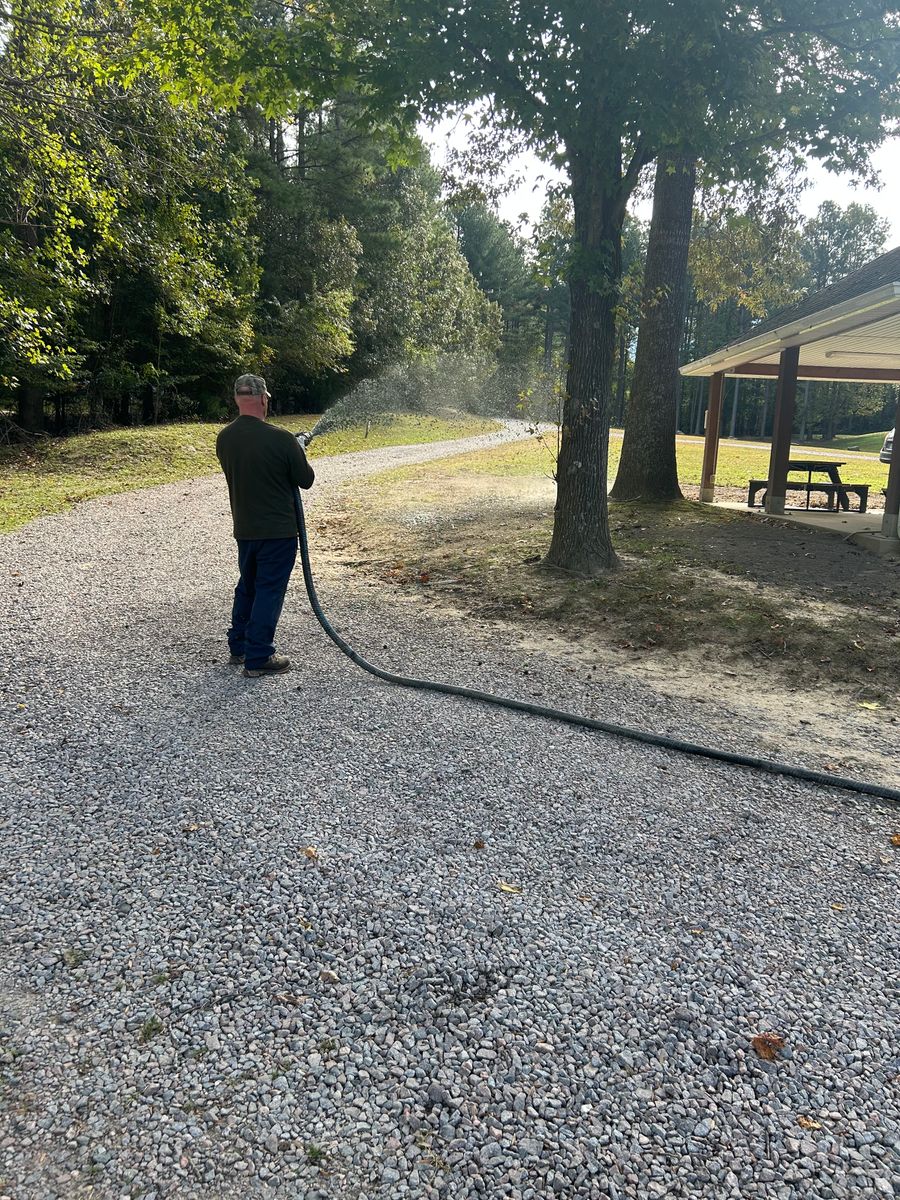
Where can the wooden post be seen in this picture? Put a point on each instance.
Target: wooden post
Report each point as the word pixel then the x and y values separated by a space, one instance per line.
pixel 889 523
pixel 734 406
pixel 711 445
pixel 782 428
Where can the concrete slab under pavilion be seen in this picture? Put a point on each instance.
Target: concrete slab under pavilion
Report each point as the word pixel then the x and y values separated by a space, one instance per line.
pixel 848 332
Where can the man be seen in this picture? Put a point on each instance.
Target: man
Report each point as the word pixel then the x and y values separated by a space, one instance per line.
pixel 262 464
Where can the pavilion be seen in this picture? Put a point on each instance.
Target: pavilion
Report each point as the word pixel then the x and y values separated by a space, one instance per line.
pixel 850 331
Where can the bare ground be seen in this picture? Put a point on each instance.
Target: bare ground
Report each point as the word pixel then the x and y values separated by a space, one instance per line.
pixel 790 630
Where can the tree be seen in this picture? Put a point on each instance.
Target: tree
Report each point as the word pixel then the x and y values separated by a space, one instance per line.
pixel 647 468
pixel 839 240
pixel 151 247
pixel 123 224
pixel 551 247
pixel 601 87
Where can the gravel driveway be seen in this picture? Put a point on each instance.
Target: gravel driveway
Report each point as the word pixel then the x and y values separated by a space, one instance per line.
pixel 318 937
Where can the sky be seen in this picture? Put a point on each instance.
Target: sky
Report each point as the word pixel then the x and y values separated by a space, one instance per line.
pixel 528 198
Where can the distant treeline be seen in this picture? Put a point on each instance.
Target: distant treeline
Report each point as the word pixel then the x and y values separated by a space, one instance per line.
pixel 150 251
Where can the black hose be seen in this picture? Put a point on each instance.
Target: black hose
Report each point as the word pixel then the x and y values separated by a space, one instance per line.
pixel 558 714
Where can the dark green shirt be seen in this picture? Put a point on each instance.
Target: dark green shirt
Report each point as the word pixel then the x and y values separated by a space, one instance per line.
pixel 263 464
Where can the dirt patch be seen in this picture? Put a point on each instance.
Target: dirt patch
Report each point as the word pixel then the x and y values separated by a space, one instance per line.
pixel 792 626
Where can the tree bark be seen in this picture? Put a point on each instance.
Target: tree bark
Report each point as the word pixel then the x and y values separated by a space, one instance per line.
pixel 581 541
pixel 620 380
pixel 647 468
pixel 30 408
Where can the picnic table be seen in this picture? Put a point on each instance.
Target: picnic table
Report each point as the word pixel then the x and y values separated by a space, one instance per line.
pixel 837 492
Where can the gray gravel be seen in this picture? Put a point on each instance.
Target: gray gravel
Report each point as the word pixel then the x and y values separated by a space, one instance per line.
pixel 194 1002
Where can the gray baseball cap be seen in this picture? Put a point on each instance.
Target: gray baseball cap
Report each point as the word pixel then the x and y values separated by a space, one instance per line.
pixel 250 385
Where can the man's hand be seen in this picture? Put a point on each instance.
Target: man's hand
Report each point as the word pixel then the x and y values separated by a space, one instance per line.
pixel 304 438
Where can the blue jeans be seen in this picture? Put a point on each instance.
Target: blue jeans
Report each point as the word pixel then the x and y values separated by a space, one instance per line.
pixel 265 565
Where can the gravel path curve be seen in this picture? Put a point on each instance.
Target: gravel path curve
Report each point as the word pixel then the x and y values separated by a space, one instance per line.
pixel 315 937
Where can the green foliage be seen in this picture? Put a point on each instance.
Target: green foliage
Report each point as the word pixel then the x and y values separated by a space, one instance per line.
pixel 153 245
pixel 125 265
pixel 601 88
pixel 746 253
pixel 837 241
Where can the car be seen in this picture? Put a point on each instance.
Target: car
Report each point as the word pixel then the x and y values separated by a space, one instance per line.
pixel 887 448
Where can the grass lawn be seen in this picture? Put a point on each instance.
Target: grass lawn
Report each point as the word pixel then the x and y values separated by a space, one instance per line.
pixel 771 601
pixel 52 474
pixel 861 443
pixel 736 464
pixel 869 443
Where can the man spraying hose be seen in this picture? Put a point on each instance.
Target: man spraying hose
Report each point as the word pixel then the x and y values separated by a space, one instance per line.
pixel 263 465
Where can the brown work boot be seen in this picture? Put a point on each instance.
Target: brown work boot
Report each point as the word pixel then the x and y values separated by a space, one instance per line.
pixel 276 665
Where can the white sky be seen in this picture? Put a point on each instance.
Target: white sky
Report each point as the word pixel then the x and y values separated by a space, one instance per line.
pixel 528 198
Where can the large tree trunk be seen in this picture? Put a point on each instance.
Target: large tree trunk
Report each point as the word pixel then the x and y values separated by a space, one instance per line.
pixel 30 408
pixel 647 469
pixel 581 543
pixel 621 368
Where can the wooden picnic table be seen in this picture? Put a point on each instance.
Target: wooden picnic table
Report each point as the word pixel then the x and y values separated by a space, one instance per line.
pixel 821 466
pixel 837 492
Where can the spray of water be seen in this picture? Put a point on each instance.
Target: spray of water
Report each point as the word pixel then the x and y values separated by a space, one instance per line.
pixel 442 386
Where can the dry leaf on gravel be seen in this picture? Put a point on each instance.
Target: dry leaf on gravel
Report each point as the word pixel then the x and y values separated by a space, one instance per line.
pixel 311 853
pixel 808 1123
pixel 895 839
pixel 767 1045
pixel 512 888
pixel 478 844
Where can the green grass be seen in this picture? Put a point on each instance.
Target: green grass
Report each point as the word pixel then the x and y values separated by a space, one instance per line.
pixel 150 1029
pixel 868 443
pixel 736 465
pixel 862 443
pixel 470 531
pixel 53 474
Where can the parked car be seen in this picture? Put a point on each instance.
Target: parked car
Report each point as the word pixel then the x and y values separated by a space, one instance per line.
pixel 887 448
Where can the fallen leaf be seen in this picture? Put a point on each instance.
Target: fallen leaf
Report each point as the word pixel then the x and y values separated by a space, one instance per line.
pixel 513 888
pixel 289 998
pixel 869 704
pixel 311 853
pixel 895 839
pixel 190 828
pixel 767 1045
pixel 424 577
pixel 808 1123
pixel 478 844
pixel 697 932
pixel 307 925
pixel 585 899
pixel 328 976
pixel 837 908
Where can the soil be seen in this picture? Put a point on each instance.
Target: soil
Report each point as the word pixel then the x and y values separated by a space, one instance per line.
pixel 790 631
